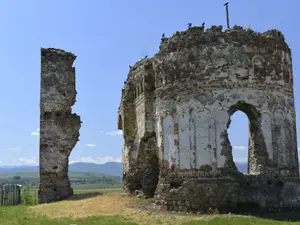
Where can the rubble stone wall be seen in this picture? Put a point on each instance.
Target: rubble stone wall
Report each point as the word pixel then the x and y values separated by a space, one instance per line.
pixel 194 85
pixel 59 128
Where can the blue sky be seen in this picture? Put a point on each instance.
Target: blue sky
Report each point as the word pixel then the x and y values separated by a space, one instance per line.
pixel 107 37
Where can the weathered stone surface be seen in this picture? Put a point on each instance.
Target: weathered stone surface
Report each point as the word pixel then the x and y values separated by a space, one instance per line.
pixel 59 128
pixel 183 99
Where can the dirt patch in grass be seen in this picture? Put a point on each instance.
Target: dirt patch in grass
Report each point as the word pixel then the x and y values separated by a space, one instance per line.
pixel 139 211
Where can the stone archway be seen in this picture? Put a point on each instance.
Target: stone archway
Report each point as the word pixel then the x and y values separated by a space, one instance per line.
pixel 238 134
pixel 257 151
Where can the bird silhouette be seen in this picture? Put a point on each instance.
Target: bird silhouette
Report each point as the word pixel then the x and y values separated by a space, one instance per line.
pixel 146 56
pixel 163 35
pixel 202 26
pixel 189 25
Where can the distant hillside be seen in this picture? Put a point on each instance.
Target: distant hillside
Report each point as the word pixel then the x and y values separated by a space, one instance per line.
pixel 109 168
pixel 19 169
pixel 242 167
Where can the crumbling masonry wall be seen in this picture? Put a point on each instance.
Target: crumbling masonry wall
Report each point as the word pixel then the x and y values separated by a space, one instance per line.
pixel 59 128
pixel 136 119
pixel 184 97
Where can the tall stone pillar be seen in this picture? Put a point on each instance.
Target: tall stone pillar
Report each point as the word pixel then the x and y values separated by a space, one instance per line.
pixel 59 128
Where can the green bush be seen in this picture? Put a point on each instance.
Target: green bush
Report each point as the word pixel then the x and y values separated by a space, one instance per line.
pixel 28 196
pixel 213 211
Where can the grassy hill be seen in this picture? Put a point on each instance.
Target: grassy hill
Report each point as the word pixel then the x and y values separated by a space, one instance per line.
pixel 109 207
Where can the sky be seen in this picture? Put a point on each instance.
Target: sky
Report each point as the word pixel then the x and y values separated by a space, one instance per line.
pixel 107 37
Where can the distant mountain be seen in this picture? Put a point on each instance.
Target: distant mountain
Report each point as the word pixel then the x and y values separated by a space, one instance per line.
pixel 19 169
pixel 109 168
pixel 242 167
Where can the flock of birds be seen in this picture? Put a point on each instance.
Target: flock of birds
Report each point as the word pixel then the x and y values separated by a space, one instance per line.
pixel 189 26
pixel 164 36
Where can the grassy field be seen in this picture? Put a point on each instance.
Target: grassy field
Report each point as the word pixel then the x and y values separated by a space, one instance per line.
pixel 32 178
pixel 108 207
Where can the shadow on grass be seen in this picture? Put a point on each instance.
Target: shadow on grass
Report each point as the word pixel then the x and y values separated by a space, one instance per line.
pixel 254 217
pixel 284 216
pixel 94 220
pixel 81 196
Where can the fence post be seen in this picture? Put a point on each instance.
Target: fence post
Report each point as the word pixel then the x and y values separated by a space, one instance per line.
pixel 10 195
pixel 1 196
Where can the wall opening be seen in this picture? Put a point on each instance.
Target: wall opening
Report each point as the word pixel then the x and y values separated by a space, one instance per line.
pixel 238 134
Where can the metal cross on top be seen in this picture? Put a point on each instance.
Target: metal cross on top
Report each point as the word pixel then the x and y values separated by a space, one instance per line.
pixel 227 14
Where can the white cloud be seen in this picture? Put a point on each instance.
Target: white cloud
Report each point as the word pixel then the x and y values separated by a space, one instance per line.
pixel 97 160
pixel 91 145
pixel 36 133
pixel 14 149
pixel 113 133
pixel 239 147
pixel 28 161
pixel 241 159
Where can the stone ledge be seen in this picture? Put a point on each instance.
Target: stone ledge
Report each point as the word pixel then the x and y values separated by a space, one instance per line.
pixel 267 87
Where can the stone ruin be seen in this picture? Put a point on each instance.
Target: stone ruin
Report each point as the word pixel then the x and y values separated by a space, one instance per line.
pixel 59 128
pixel 175 111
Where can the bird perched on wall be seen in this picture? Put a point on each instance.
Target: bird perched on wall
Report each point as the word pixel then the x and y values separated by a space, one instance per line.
pixel 163 35
pixel 189 25
pixel 202 26
pixel 146 56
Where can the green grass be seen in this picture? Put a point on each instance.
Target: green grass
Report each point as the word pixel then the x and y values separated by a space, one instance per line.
pixel 238 221
pixel 84 188
pixel 19 216
pixel 95 186
pixel 111 208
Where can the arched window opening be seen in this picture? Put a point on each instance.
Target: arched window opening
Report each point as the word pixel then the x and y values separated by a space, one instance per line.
pixel 136 91
pixel 238 134
pixel 142 87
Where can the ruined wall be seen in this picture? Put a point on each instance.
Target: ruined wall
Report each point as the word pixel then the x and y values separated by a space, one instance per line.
pixel 136 119
pixel 201 79
pixel 59 128
pixel 205 78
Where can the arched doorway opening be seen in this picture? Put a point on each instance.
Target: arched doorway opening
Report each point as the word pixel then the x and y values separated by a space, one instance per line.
pixel 238 134
pixel 256 144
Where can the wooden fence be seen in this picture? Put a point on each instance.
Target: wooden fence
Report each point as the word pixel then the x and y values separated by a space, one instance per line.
pixel 10 195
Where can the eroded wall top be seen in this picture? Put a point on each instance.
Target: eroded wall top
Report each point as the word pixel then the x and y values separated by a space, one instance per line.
pixel 234 55
pixel 57 80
